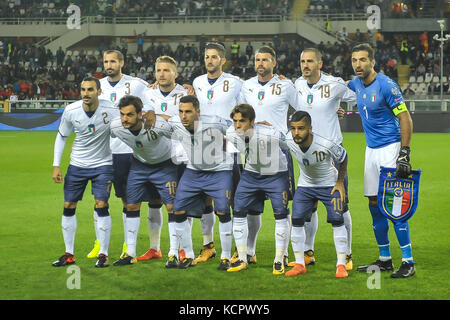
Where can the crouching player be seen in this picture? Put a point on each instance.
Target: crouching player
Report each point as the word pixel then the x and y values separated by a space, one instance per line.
pixel 151 166
pixel 319 180
pixel 265 173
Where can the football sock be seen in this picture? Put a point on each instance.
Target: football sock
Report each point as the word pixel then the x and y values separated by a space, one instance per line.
pixel 69 227
pixel 226 239
pixel 124 221
pixel 298 244
pixel 155 219
pixel 254 224
pixel 207 221
pixel 310 231
pixel 402 232
pixel 132 232
pixel 348 226
pixel 96 224
pixel 381 228
pixel 240 233
pixel 288 236
pixel 173 239
pixel 183 230
pixel 104 229
pixel 340 242
pixel 281 232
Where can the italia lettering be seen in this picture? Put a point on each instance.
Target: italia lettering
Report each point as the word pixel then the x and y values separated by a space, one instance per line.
pixel 398 184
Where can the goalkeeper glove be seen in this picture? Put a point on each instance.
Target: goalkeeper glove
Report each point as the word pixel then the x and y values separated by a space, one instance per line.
pixel 403 169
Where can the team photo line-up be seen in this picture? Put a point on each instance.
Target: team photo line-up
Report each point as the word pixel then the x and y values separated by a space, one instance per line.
pixel 222 145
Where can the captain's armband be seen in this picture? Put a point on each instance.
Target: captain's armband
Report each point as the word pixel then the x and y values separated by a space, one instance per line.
pixel 399 109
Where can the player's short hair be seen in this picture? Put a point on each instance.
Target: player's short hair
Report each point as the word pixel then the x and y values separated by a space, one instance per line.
pixel 117 52
pixel 216 46
pixel 365 47
pixel 167 59
pixel 97 82
pixel 267 49
pixel 191 99
pixel 316 51
pixel 245 109
pixel 300 116
pixel 131 100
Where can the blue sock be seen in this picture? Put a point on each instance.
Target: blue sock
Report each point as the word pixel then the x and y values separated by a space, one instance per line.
pixel 402 232
pixel 380 228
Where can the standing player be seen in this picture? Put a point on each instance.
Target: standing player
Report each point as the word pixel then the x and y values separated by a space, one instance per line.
pixel 320 95
pixel 90 159
pixel 270 97
pixel 265 173
pixel 165 97
pixel 217 92
pixel 208 171
pixel 318 180
pixel 114 86
pixel 151 163
pixel 387 126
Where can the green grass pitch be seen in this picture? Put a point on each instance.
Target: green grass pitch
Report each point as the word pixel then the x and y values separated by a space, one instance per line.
pixel 31 239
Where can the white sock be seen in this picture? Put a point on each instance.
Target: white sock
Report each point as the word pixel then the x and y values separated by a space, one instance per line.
pixel 155 220
pixel 254 224
pixel 298 244
pixel 104 230
pixel 207 221
pixel 240 233
pixel 340 242
pixel 288 236
pixel 96 225
pixel 281 232
pixel 226 238
pixel 132 232
pixel 69 227
pixel 124 221
pixel 310 231
pixel 348 227
pixel 173 239
pixel 183 230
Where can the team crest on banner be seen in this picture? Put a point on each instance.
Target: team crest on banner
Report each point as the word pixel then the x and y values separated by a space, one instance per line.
pixel 309 98
pixel 113 97
pixel 91 128
pixel 164 106
pixel 398 197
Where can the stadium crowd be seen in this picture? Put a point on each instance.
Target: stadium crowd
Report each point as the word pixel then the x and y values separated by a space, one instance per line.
pixel 31 72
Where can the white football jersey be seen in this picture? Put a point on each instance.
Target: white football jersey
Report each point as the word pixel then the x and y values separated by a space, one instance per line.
pixel 204 147
pixel 322 101
pixel 169 105
pixel 316 164
pixel 271 101
pixel 149 146
pixel 262 149
pixel 90 148
pixel 219 98
pixel 127 85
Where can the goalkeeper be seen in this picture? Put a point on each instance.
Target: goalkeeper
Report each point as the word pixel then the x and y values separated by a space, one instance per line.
pixel 387 126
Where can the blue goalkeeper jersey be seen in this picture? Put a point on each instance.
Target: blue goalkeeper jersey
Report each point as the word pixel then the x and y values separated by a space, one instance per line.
pixel 375 104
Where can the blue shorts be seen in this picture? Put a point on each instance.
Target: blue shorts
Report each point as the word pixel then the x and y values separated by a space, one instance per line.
pixel 161 178
pixel 304 200
pixel 253 188
pixel 76 180
pixel 121 165
pixel 194 185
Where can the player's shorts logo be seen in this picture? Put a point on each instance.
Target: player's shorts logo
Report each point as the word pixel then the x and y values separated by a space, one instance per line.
pixel 164 106
pixel 309 99
pixel 91 128
pixel 397 198
pixel 113 97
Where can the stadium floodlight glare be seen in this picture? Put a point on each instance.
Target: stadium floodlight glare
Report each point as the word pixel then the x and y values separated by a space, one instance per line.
pixel 441 39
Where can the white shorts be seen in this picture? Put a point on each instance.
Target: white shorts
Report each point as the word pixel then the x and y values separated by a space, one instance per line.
pixel 374 159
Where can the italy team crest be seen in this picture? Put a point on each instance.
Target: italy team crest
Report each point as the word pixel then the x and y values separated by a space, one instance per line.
pixel 210 94
pixel 113 97
pixel 91 128
pixel 309 98
pixel 397 197
pixel 139 144
pixel 373 96
pixel 164 106
pixel 261 95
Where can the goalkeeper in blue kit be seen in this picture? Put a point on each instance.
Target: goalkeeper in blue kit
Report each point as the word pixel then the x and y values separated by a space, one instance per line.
pixel 388 127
